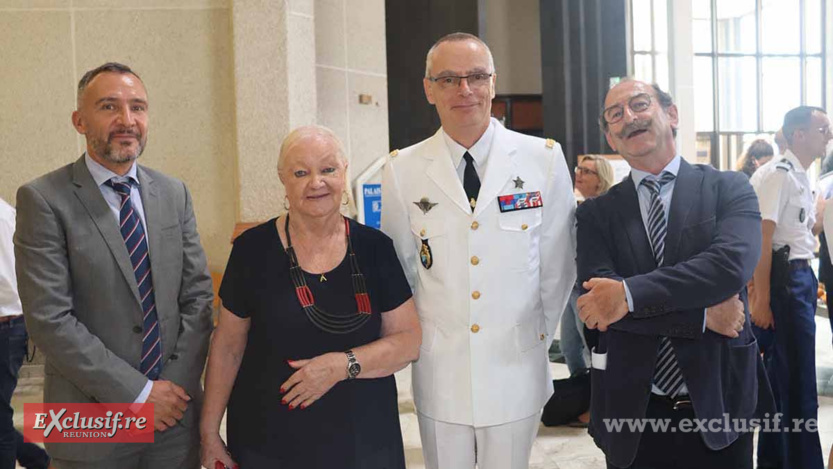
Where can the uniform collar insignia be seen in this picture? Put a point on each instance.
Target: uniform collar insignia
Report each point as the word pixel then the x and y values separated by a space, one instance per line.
pixel 519 183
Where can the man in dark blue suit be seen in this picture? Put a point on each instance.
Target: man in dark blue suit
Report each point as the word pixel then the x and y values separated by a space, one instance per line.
pixel 664 257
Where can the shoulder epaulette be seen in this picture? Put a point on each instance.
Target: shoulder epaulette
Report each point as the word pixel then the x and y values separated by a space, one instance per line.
pixel 394 153
pixel 550 143
pixel 784 165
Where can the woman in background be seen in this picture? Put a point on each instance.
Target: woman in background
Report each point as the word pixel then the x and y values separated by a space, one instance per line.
pixel 757 155
pixel 594 176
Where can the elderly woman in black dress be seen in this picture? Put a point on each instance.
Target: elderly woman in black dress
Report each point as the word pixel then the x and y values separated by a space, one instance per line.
pixel 317 316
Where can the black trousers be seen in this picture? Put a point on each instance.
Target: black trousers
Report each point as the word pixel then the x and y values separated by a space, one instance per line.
pixel 683 450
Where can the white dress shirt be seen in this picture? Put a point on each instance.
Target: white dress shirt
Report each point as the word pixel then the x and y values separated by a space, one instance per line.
pixel 479 152
pixel 9 301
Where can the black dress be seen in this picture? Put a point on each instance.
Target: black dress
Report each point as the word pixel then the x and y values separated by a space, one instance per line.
pixel 353 426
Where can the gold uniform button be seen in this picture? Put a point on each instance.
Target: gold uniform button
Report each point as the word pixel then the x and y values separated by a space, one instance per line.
pixel 475 225
pixel 422 232
pixel 475 294
pixel 524 226
pixel 475 328
pixel 475 260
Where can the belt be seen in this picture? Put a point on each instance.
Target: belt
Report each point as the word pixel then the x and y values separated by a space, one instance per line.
pixel 676 403
pixel 798 264
pixel 14 318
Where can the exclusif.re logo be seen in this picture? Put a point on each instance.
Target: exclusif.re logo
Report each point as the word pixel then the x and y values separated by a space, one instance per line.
pixel 88 423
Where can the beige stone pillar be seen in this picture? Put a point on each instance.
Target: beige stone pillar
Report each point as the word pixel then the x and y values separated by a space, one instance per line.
pixel 274 70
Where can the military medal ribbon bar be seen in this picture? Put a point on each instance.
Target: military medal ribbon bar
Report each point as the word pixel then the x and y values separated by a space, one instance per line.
pixel 520 201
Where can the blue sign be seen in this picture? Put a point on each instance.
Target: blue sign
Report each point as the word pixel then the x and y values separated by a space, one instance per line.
pixel 372 205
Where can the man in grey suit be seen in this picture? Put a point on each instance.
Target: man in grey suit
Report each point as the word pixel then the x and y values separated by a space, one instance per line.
pixel 114 283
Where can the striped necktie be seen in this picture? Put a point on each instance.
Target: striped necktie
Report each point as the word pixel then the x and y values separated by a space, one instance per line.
pixel 667 375
pixel 133 233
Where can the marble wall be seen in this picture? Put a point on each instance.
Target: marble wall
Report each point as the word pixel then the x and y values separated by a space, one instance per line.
pixel 227 80
pixel 350 60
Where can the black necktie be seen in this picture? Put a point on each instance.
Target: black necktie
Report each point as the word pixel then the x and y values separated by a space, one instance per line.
pixel 471 181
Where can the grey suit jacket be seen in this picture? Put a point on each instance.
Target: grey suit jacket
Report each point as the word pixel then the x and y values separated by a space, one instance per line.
pixel 80 297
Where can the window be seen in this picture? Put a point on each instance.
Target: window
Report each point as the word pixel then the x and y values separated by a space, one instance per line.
pixel 649 37
pixel 754 61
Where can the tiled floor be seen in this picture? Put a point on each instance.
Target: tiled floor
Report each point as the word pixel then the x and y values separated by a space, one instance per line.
pixel 572 448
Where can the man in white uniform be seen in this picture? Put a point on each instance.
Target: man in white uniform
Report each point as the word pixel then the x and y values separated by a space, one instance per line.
pixel 483 222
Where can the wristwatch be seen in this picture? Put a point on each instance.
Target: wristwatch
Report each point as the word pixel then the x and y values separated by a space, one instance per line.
pixel 353 366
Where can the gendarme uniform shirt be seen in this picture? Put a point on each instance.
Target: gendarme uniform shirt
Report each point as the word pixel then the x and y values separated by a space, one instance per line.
pixel 786 198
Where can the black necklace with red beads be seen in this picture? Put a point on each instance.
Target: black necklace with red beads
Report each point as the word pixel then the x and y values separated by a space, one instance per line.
pixel 327 322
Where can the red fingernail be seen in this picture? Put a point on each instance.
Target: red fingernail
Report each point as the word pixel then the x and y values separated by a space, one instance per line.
pixel 283 401
pixel 303 406
pixel 282 390
pixel 289 361
pixel 291 407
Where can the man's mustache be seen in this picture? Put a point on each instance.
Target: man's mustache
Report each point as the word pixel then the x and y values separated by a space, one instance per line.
pixel 133 133
pixel 634 126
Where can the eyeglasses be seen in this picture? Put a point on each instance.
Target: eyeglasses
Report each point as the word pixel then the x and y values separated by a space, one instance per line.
pixel 585 171
pixel 637 104
pixel 475 80
pixel 824 131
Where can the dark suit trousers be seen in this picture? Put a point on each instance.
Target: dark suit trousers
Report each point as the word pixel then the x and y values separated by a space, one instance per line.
pixel 684 450
pixel 791 366
pixel 13 347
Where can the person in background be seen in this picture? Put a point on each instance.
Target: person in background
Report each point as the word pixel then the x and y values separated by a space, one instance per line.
pixel 317 316
pixel 757 155
pixel 784 293
pixel 594 176
pixel 13 347
pixel 780 141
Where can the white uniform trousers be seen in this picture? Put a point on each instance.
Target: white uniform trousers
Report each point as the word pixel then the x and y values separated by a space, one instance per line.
pixel 451 446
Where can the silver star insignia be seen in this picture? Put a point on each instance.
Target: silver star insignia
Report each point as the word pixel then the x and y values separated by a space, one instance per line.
pixel 425 205
pixel 519 183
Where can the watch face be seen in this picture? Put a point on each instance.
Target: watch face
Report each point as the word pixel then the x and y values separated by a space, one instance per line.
pixel 354 369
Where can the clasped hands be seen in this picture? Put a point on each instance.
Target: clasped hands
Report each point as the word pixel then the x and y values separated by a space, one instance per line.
pixel 606 303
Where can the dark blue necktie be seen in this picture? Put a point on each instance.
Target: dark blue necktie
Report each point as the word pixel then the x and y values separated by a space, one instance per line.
pixel 667 375
pixel 133 233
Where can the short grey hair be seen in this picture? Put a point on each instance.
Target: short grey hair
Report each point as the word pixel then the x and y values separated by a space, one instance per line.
pixel 456 37
pixel 109 67
pixel 308 131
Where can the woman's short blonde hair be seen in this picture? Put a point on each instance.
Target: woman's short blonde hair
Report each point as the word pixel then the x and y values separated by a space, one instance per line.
pixel 308 131
pixel 603 170
pixel 319 131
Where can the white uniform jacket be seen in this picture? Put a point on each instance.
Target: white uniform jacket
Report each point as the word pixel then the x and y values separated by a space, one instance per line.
pixel 497 283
